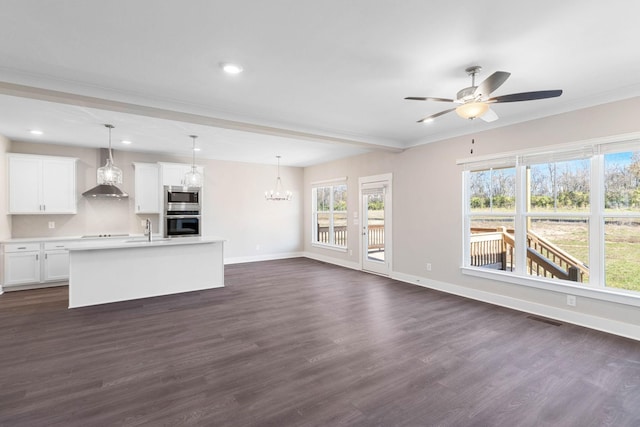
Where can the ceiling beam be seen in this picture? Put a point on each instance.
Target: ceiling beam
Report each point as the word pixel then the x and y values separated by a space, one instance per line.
pixel 59 97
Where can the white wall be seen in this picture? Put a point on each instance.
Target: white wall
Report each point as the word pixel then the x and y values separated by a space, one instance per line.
pixel 5 220
pixel 233 197
pixel 427 215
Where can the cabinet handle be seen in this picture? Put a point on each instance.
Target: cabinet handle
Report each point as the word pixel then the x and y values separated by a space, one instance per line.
pixel 37 257
pixel 44 207
pixel 22 247
pixel 46 256
pixel 59 246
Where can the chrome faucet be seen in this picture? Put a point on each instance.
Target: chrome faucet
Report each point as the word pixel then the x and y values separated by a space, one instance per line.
pixel 148 229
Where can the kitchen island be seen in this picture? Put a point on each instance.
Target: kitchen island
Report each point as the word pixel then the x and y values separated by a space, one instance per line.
pixel 136 268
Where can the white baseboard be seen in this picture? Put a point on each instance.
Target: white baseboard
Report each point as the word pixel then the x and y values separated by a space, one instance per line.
pixel 266 257
pixel 331 260
pixel 615 327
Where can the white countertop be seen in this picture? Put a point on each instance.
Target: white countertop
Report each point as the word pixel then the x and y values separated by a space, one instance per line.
pixel 69 238
pixel 139 242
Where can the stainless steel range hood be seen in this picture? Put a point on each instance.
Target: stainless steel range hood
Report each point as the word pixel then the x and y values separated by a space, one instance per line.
pixel 105 191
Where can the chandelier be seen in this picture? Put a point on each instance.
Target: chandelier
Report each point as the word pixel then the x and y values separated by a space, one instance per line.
pixel 278 194
pixel 193 178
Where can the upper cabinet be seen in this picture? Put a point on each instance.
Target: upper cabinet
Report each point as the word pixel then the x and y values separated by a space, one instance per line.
pixel 173 173
pixel 42 184
pixel 147 188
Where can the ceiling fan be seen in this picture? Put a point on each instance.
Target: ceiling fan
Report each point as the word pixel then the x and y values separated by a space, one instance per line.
pixel 474 100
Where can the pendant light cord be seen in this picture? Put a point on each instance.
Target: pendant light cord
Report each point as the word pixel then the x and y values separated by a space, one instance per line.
pixel 110 155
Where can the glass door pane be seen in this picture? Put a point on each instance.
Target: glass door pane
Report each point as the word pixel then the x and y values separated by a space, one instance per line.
pixel 375 227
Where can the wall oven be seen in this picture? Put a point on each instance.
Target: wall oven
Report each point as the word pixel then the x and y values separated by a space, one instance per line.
pixel 182 211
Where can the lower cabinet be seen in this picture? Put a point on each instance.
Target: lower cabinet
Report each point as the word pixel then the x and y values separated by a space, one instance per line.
pixel 56 266
pixel 21 265
pixel 34 264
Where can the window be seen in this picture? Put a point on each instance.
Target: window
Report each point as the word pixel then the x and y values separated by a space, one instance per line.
pixel 492 218
pixel 571 215
pixel 330 215
pixel 557 213
pixel 622 219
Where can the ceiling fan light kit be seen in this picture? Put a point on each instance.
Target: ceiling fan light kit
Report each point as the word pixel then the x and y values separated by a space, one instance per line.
pixel 474 100
pixel 472 110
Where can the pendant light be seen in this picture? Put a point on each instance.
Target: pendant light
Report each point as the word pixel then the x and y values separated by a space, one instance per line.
pixel 278 194
pixel 109 174
pixel 193 178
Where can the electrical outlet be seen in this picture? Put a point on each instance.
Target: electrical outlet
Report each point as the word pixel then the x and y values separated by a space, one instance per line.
pixel 428 266
pixel 143 222
pixel 350 252
pixel 52 224
pixel 571 300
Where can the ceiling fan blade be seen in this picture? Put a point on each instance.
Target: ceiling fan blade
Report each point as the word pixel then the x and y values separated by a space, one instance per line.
pixel 489 116
pixel 428 98
pixel 491 83
pixel 526 96
pixel 433 116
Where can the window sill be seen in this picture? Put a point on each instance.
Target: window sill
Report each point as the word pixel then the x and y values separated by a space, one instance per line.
pixel 330 247
pixel 616 296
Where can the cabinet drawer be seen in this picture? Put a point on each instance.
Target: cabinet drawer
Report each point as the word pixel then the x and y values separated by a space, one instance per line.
pixel 21 247
pixel 48 246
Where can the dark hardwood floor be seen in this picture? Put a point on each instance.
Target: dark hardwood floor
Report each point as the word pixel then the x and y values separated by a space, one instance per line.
pixel 302 343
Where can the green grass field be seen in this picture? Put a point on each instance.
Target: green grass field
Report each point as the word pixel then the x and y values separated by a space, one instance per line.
pixel 622 249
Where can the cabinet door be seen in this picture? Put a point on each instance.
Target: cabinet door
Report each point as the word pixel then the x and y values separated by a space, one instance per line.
pixel 41 184
pixel 24 185
pixel 21 268
pixel 56 265
pixel 59 186
pixel 147 188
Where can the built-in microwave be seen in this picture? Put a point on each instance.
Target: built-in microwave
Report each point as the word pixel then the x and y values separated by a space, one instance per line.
pixel 181 211
pixel 178 198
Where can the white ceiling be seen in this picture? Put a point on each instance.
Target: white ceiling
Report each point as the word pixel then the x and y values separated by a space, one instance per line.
pixel 322 80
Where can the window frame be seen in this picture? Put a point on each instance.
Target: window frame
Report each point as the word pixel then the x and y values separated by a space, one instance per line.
pixel 596 215
pixel 331 184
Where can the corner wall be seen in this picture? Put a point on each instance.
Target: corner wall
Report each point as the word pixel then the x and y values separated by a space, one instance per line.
pixel 427 216
pixel 5 218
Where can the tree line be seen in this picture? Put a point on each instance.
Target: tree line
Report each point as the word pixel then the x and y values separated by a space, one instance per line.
pixel 559 185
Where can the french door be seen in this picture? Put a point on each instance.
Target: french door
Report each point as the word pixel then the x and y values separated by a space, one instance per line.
pixel 376 224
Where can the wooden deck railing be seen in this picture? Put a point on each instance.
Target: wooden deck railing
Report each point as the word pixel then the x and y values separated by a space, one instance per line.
pixel 376 236
pixel 492 250
pixel 339 235
pixel 495 248
pixel 546 259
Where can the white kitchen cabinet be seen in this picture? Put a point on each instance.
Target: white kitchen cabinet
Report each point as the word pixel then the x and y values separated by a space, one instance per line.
pixel 41 184
pixel 56 262
pixel 21 264
pixel 173 173
pixel 147 188
pixel 30 265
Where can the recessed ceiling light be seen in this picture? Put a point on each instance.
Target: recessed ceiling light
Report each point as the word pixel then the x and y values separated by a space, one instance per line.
pixel 125 142
pixel 196 149
pixel 427 121
pixel 36 132
pixel 230 68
